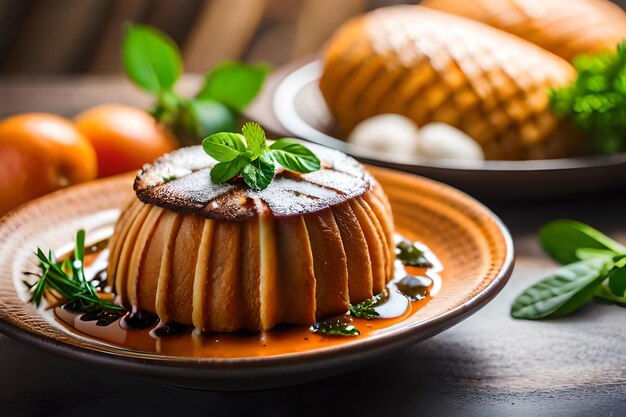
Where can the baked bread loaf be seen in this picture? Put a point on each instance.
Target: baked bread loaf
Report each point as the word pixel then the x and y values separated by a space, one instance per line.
pixel 564 27
pixel 223 257
pixel 435 67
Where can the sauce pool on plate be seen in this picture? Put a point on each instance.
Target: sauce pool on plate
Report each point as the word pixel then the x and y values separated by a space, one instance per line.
pixel 410 290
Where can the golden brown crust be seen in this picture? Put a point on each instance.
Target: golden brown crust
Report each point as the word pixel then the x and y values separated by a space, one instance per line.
pixel 225 276
pixel 564 27
pixel 432 66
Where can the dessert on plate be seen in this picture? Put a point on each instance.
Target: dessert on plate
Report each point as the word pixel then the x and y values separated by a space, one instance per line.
pixel 227 257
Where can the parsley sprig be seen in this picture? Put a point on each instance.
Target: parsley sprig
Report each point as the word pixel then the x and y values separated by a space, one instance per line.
pixel 596 100
pixel 67 279
pixel 247 154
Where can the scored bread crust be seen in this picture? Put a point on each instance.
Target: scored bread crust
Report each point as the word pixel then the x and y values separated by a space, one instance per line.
pixel 177 254
pixel 435 67
pixel 564 27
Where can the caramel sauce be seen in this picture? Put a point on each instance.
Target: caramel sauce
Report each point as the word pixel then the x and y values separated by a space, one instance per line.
pixel 143 332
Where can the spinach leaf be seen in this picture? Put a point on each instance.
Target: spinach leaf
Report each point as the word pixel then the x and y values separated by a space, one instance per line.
pixel 563 292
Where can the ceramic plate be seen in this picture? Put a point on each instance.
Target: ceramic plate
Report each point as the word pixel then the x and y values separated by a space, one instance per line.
pixel 473 245
pixel 301 110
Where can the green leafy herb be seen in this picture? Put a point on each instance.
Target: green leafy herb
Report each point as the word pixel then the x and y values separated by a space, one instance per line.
pixel 248 155
pixel 596 265
pixel 366 309
pixel 596 100
pixel 224 146
pixel 411 255
pixel 294 156
pixel 259 173
pixel 154 63
pixel 169 178
pixel 151 59
pixel 234 84
pixel 339 326
pixel 564 239
pixel 67 278
pixel 226 170
pixel 568 289
pixel 603 292
pixel 617 278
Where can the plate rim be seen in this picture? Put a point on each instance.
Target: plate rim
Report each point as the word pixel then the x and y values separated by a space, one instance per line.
pixel 282 102
pixel 161 365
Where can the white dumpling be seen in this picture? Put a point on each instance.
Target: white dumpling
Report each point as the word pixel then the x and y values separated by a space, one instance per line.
pixel 442 141
pixel 390 133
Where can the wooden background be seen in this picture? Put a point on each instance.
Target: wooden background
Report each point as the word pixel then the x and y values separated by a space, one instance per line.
pixel 84 36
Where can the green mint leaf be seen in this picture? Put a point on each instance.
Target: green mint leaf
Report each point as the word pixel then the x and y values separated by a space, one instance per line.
pixel 233 83
pixel 563 292
pixel 604 292
pixel 341 326
pixel 201 118
pixel 365 309
pixel 588 253
pixel 617 278
pixel 259 173
pixel 410 255
pixel 294 157
pixel 562 238
pixel 224 146
pixel 224 171
pixel 255 138
pixel 151 58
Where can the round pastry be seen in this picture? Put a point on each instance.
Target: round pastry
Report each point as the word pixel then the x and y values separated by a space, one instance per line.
pixel 432 66
pixel 224 257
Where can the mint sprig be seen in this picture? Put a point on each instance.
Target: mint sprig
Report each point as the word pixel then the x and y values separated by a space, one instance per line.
pixel 154 63
pixel 247 154
pixel 594 264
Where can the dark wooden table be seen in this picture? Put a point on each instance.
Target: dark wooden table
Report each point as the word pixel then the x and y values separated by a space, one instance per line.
pixel 489 365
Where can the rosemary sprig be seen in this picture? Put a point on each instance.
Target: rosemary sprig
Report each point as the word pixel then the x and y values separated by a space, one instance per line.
pixel 67 278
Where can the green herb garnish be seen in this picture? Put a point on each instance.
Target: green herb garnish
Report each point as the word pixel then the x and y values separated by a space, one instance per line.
pixel 247 154
pixel 596 100
pixel 67 278
pixel 338 326
pixel 154 63
pixel 595 265
pixel 366 309
pixel 410 255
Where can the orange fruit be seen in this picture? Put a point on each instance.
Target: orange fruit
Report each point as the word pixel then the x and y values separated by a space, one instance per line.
pixel 124 137
pixel 40 153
